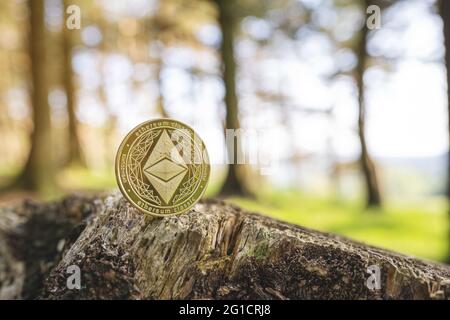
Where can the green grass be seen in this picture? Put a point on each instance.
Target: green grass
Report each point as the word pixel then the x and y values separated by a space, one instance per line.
pixel 418 229
pixel 78 178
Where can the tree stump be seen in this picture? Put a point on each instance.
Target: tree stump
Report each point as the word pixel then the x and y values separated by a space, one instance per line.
pixel 32 238
pixel 216 251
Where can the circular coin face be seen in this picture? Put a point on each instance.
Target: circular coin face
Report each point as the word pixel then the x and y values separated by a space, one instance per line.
pixel 162 167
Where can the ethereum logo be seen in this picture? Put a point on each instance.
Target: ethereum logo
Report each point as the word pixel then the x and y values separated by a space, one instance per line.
pixel 165 168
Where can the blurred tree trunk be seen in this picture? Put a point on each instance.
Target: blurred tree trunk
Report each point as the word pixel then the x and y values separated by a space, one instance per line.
pixel 38 174
pixel 156 31
pixel 367 164
pixel 160 103
pixel 234 184
pixel 110 39
pixel 445 14
pixel 75 156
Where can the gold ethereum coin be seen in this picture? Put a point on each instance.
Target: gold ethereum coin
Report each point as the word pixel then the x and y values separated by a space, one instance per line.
pixel 162 167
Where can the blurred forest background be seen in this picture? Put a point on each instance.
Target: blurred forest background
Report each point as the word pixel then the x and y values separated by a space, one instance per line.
pixel 361 116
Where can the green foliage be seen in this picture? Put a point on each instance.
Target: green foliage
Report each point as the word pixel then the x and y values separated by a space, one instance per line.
pixel 79 178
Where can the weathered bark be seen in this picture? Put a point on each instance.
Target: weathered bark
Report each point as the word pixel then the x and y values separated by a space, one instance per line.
pixel 11 273
pixel 373 197
pixel 445 15
pixel 220 251
pixel 33 237
pixel 234 182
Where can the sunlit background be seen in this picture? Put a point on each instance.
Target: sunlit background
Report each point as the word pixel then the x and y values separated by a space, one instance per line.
pixel 136 60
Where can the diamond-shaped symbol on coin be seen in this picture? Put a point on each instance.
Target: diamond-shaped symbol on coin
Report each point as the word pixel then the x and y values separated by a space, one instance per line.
pixel 165 168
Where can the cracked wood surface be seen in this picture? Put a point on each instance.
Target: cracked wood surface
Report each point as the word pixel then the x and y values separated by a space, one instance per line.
pixel 32 240
pixel 218 251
